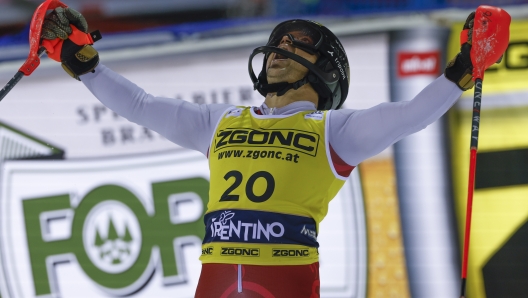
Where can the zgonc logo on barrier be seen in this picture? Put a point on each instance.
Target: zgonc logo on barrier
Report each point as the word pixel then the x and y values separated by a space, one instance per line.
pixel 424 63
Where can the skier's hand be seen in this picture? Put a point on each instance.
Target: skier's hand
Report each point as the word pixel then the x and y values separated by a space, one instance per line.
pixel 66 39
pixel 57 23
pixel 460 69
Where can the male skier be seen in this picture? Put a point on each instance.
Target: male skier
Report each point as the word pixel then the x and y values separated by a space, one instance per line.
pixel 296 149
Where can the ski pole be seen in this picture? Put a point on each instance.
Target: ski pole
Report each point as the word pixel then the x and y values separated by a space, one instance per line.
pixel 491 34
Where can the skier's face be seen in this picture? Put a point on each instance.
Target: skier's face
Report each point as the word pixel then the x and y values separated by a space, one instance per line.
pixel 282 69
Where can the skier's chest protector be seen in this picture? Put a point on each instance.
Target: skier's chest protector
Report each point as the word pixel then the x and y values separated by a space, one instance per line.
pixel 271 182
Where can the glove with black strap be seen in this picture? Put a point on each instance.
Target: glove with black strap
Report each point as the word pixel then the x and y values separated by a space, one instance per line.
pixel 460 69
pixel 66 39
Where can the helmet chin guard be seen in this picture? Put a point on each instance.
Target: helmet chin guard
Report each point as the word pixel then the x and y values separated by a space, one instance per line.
pixel 329 75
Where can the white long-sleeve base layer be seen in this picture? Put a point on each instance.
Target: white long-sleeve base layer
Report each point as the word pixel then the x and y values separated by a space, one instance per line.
pixel 355 135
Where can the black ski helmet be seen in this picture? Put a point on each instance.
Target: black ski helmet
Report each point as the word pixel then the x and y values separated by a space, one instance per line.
pixel 329 75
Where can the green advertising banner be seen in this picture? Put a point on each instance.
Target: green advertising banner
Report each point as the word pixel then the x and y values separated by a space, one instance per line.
pixel 102 227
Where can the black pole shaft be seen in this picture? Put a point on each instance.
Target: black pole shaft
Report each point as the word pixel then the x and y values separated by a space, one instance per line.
pixel 19 75
pixel 475 127
pixel 476 113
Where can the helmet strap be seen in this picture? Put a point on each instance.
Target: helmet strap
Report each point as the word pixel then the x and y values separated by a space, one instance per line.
pixel 282 87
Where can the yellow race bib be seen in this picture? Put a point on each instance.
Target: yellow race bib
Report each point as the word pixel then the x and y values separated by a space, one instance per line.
pixel 271 181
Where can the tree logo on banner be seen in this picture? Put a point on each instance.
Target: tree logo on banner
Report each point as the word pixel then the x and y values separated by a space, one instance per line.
pixel 112 237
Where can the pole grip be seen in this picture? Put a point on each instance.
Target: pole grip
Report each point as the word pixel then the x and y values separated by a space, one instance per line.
pixel 491 34
pixel 35 30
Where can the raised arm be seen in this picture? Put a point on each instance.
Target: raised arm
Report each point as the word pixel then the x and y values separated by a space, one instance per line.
pixel 186 124
pixel 356 135
pixel 66 39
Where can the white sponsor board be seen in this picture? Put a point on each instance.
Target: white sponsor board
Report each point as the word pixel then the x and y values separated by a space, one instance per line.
pixel 132 226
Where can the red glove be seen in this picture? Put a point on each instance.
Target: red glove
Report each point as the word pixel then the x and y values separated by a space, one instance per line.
pixel 66 39
pixel 54 46
pixel 460 69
